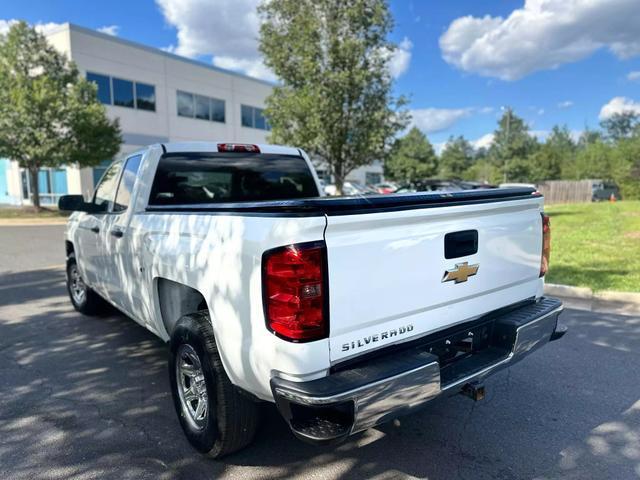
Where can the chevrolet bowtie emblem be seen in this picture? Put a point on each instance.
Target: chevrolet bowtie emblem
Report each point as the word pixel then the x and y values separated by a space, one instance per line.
pixel 461 273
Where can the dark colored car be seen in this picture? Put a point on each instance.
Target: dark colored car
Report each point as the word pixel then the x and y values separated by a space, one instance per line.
pixel 603 190
pixel 442 186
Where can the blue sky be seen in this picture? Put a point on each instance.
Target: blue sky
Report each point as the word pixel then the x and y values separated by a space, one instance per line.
pixel 554 61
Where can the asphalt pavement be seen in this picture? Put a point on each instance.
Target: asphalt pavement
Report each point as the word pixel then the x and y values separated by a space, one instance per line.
pixel 88 397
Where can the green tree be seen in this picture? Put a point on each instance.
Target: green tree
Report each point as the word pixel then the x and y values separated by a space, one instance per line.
pixel 556 158
pixel 546 163
pixel 621 125
pixel 49 115
pixel 456 158
pixel 483 170
pixel 412 158
pixel 627 166
pixel 512 145
pixel 596 160
pixel 588 137
pixel 560 140
pixel 334 99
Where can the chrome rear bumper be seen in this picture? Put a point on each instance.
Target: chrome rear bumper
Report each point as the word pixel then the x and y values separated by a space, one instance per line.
pixel 388 386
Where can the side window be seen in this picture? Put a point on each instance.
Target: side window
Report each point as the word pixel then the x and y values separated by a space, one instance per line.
pixel 127 181
pixel 106 190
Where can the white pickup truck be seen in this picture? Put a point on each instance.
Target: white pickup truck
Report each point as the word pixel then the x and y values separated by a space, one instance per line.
pixel 346 311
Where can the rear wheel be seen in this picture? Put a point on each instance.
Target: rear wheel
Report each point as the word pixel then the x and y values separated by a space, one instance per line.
pixel 216 418
pixel 84 299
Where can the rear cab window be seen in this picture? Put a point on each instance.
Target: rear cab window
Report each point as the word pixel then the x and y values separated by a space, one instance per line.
pixel 201 178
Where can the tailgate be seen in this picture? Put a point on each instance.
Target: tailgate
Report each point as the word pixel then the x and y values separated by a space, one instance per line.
pixel 388 272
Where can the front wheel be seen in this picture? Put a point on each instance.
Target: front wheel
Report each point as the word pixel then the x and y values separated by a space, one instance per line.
pixel 216 418
pixel 84 299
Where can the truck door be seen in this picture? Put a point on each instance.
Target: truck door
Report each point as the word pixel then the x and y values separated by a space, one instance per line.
pixel 91 227
pixel 121 272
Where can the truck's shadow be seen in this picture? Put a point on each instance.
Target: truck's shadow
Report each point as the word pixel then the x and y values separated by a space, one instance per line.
pixel 88 397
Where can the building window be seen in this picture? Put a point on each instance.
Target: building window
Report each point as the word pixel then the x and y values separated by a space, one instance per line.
pixel 247 115
pixel 52 184
pixel 253 117
pixel 372 178
pixel 104 86
pixel 124 93
pixel 199 106
pixel 185 104
pixel 217 110
pixel 145 97
pixel 202 107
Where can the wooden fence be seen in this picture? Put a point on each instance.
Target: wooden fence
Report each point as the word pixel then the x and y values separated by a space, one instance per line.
pixel 566 191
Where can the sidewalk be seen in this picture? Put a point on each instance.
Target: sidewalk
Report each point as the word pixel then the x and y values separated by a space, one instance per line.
pixel 28 222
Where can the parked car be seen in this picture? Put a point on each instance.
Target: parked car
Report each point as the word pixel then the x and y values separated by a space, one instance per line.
pixel 387 187
pixel 350 189
pixel 344 312
pixel 469 185
pixel 430 186
pixel 604 190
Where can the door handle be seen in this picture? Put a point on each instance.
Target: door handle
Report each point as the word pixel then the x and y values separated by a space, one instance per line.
pixel 95 229
pixel 117 233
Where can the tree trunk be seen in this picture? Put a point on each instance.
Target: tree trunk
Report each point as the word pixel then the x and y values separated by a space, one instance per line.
pixel 339 185
pixel 338 175
pixel 35 191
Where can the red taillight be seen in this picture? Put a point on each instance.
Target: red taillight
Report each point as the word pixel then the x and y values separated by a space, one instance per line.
pixel 238 147
pixel 546 245
pixel 295 291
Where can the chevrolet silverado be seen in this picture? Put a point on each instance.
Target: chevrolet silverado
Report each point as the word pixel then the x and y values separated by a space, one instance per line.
pixel 343 311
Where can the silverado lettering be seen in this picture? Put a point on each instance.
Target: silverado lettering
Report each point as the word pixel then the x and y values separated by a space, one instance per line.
pixel 375 338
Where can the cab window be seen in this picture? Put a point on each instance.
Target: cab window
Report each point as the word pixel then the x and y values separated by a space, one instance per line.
pixel 127 181
pixel 106 190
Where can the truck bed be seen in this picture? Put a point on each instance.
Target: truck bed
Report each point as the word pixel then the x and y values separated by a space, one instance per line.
pixel 356 205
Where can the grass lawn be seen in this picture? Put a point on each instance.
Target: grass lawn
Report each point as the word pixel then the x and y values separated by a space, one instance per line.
pixel 596 245
pixel 28 213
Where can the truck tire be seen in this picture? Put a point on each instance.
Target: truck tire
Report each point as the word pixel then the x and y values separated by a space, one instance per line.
pixel 83 299
pixel 215 416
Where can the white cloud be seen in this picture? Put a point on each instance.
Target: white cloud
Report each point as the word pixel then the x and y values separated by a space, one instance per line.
pixel 438 147
pixel 619 105
pixel 431 120
pixel 253 68
pixel 110 30
pixel 5 25
pixel 541 135
pixel 543 34
pixel 633 76
pixel 484 141
pixel 225 29
pixel 565 104
pixel 44 28
pixel 399 61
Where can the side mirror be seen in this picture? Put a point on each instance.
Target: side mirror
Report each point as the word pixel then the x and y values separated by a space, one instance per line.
pixel 74 203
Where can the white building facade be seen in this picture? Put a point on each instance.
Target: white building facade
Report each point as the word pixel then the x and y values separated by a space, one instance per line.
pixel 158 97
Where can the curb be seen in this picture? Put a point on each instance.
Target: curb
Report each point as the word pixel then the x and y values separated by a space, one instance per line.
pixel 585 293
pixel 583 298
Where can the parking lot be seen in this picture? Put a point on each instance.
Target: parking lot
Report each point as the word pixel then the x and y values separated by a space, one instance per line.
pixel 87 397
